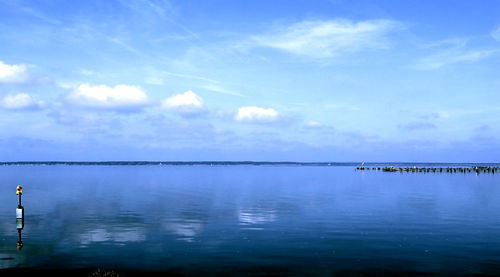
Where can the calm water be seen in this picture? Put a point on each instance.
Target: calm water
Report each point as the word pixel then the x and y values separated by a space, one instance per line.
pixel 254 220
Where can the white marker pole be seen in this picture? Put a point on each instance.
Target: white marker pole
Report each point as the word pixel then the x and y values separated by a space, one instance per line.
pixel 20 208
pixel 19 217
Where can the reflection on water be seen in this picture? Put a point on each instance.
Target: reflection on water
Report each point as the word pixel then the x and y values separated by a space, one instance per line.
pixel 117 236
pixel 280 220
pixel 186 230
pixel 20 227
pixel 256 216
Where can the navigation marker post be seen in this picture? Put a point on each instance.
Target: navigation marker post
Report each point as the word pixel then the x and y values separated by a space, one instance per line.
pixel 20 208
pixel 19 217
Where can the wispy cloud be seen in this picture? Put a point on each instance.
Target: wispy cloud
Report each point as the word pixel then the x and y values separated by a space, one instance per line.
pixel 88 122
pixel 161 9
pixel 348 107
pixel 450 52
pixel 126 46
pixel 86 72
pixel 34 13
pixel 153 81
pixel 417 125
pixel 219 89
pixel 313 124
pixel 496 34
pixel 188 76
pixel 328 38
pixel 423 122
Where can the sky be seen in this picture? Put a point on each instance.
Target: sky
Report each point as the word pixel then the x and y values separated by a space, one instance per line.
pixel 260 80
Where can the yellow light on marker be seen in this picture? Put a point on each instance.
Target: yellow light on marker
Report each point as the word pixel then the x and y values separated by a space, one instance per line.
pixel 19 190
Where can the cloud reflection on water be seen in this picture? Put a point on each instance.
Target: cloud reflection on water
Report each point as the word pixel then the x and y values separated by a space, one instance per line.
pixel 256 216
pixel 119 236
pixel 185 230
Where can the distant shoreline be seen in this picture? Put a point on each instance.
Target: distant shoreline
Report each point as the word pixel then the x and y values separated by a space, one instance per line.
pixel 233 163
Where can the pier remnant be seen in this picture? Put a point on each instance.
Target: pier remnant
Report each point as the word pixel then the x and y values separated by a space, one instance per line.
pixel 438 169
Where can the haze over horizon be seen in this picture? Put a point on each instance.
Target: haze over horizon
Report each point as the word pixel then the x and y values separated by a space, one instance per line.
pixel 326 80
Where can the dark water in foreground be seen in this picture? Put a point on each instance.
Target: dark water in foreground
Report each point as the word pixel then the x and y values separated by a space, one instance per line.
pixel 251 220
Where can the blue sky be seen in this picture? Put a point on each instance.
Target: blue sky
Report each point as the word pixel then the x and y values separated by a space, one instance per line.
pixel 276 80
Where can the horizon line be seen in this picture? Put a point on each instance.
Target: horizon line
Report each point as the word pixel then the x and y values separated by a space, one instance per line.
pixel 222 162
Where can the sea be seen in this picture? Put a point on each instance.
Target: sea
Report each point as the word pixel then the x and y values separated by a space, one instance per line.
pixel 247 219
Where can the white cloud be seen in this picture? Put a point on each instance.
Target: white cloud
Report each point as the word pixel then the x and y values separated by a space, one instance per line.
pixel 102 96
pixel 496 34
pixel 187 103
pixel 16 73
pixel 327 39
pixel 21 101
pixel 256 114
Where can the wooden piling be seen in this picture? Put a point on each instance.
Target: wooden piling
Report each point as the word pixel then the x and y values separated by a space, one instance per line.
pixel 414 169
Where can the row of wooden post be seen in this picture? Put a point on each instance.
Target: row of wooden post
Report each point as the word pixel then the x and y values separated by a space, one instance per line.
pixel 472 169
